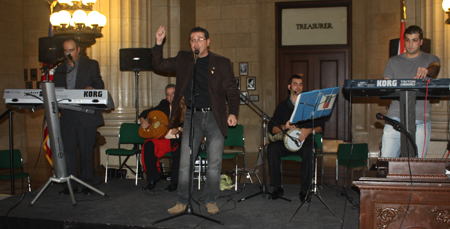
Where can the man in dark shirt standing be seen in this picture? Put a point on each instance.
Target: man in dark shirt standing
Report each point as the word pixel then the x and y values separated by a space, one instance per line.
pixel 214 85
pixel 79 130
pixel 277 149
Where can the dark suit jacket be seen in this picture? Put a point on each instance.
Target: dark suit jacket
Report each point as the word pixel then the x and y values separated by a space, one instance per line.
pixel 88 75
pixel 221 82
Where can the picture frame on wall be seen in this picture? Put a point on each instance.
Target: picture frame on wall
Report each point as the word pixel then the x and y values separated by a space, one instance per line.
pixel 33 74
pixel 243 100
pixel 251 83
pixel 243 68
pixel 238 82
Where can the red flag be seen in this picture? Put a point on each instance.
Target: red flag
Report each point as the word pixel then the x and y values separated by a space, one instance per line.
pixel 48 151
pixel 401 43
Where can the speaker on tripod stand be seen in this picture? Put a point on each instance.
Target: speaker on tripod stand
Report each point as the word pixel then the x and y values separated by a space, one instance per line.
pixel 136 60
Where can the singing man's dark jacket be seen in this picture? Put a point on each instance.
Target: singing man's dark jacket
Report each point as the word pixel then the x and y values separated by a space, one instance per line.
pixel 222 85
pixel 88 75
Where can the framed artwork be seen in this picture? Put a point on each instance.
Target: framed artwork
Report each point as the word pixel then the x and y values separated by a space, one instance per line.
pixel 238 82
pixel 25 75
pixel 243 68
pixel 254 98
pixel 28 85
pixel 244 97
pixel 33 74
pixel 251 83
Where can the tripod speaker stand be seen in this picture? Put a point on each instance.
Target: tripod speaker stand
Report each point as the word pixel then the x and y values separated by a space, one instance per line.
pixel 136 60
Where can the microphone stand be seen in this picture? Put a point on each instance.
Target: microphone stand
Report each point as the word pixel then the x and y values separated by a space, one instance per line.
pixel 263 189
pixel 402 129
pixel 189 210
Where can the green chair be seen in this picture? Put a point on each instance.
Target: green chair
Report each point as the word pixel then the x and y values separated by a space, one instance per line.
pixel 298 158
pixel 128 134
pixel 5 163
pixel 352 156
pixel 235 138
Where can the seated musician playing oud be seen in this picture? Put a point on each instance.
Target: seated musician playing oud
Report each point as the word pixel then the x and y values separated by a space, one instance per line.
pixel 276 150
pixel 153 149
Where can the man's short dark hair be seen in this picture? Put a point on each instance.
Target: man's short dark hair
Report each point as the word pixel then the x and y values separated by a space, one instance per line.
pixel 77 43
pixel 294 77
pixel 169 86
pixel 199 29
pixel 414 29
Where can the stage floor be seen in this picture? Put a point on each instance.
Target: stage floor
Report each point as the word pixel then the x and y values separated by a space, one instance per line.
pixel 129 206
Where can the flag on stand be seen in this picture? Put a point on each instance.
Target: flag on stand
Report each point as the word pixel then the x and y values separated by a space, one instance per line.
pixel 46 144
pixel 401 42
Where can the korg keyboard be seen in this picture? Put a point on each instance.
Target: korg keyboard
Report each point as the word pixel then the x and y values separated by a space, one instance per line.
pixel 27 98
pixel 384 88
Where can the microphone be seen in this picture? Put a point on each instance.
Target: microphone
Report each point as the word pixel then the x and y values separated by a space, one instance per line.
pixel 295 92
pixel 380 116
pixel 70 57
pixel 196 52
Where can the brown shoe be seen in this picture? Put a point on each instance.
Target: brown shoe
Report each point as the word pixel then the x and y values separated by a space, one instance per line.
pixel 212 208
pixel 179 208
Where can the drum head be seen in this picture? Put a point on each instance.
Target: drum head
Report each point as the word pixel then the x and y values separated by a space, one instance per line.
pixel 291 145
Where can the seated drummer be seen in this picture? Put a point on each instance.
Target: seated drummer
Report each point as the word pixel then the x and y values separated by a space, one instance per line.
pixel 276 150
pixel 153 149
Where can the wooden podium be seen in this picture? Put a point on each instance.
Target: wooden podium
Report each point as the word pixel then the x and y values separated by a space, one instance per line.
pixel 384 200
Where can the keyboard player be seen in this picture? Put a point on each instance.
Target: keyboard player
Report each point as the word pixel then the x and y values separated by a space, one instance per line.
pixel 79 130
pixel 412 64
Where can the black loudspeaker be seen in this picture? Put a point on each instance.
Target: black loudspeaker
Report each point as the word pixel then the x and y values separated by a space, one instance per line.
pixel 393 46
pixel 50 49
pixel 135 59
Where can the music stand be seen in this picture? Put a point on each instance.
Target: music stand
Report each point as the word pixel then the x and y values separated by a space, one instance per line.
pixel 309 106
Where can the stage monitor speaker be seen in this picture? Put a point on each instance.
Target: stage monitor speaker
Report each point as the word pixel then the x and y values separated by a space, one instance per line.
pixel 135 59
pixel 50 49
pixel 393 46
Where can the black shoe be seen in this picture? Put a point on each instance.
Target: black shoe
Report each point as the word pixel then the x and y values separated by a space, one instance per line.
pixel 151 185
pixel 66 191
pixel 171 187
pixel 276 193
pixel 87 191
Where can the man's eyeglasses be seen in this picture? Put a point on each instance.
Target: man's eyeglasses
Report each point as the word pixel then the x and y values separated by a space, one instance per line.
pixel 197 40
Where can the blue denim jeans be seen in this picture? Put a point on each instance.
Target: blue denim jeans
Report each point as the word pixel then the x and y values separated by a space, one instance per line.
pixel 204 124
pixel 390 143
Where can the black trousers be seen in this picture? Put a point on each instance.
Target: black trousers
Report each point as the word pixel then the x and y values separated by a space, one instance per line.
pixel 150 161
pixel 79 142
pixel 277 150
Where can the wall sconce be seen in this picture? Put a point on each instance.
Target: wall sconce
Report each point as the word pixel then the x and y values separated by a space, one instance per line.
pixel 446 7
pixel 77 19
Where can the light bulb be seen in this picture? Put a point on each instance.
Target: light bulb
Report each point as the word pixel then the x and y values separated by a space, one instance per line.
pixel 54 19
pixel 85 2
pixel 102 20
pixel 445 5
pixel 64 17
pixel 93 18
pixel 79 17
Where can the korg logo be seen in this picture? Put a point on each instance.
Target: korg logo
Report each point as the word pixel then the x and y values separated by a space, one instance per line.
pixel 386 83
pixel 92 94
